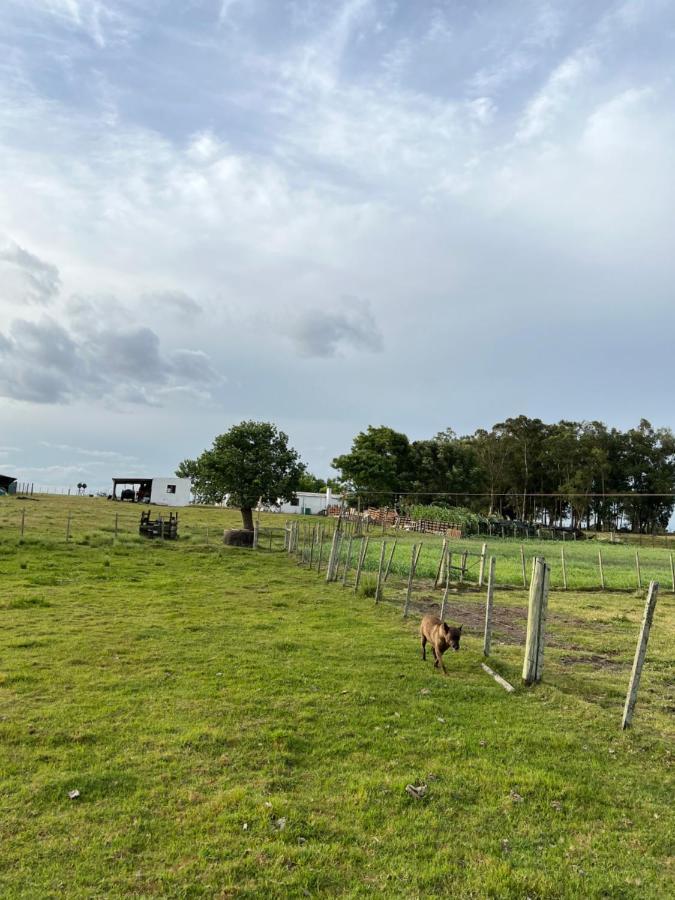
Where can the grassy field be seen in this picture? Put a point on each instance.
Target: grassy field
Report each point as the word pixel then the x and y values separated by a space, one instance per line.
pixel 238 728
pixel 95 521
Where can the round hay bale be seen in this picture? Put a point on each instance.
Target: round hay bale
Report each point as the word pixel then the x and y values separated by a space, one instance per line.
pixel 238 537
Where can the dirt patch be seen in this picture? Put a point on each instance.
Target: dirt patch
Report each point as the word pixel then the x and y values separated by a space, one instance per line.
pixel 509 623
pixel 592 659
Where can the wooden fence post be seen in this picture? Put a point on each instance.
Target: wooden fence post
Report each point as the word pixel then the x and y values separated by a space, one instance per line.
pixel 347 561
pixel 536 622
pixel 564 570
pixel 338 553
pixel 487 639
pixel 672 572
pixel 68 527
pixel 602 573
pixel 255 535
pixel 378 587
pixel 23 526
pixel 391 556
pixel 445 592
pixel 637 569
pixel 411 575
pixel 522 565
pixel 481 570
pixel 331 557
pixel 440 563
pixel 362 559
pixel 640 652
pixel 318 562
pixel 462 571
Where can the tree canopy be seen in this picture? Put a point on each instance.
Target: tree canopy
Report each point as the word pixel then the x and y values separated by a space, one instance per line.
pixel 251 462
pixel 524 468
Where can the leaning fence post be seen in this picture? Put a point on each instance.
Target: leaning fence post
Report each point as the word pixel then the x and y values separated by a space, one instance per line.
pixel 23 525
pixel 68 527
pixel 411 575
pixel 318 562
pixel 564 570
pixel 522 565
pixel 315 528
pixel 391 556
pixel 362 559
pixel 602 573
pixel 536 621
pixel 481 569
pixel 640 652
pixel 378 588
pixel 331 557
pixel 347 560
pixel 338 554
pixel 637 569
pixel 445 592
pixel 440 563
pixel 487 639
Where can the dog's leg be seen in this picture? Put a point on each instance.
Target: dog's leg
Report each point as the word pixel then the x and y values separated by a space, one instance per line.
pixel 439 656
pixel 424 647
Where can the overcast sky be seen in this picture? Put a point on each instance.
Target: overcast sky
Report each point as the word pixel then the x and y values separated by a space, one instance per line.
pixel 328 214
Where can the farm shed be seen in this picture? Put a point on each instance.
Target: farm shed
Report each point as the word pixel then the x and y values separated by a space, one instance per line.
pixel 163 491
pixel 308 503
pixel 7 484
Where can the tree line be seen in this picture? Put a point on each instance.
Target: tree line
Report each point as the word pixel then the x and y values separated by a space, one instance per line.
pixel 523 469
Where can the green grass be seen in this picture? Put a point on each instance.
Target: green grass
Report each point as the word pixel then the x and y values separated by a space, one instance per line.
pixel 199 697
pixel 92 522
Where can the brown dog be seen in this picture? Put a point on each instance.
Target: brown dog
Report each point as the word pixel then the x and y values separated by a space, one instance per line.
pixel 441 637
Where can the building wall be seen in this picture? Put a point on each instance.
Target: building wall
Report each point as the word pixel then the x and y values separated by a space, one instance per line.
pixel 316 503
pixel 162 495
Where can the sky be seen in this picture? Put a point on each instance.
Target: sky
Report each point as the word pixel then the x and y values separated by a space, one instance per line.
pixel 328 214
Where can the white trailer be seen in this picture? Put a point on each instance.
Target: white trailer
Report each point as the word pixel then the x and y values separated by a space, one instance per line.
pixel 162 491
pixel 309 503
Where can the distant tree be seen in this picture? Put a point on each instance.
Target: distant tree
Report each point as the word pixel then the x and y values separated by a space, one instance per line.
pixel 379 465
pixel 251 462
pixel 444 464
pixel 311 483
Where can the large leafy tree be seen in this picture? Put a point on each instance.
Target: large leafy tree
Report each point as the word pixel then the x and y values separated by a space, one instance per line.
pixel 378 466
pixel 251 462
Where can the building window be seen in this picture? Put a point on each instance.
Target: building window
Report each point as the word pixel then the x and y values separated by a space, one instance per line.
pixel 171 488
pixel 295 501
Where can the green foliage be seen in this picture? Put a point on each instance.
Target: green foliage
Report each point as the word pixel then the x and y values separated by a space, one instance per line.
pixel 368 586
pixel 309 482
pixel 527 469
pixel 460 516
pixel 378 465
pixel 250 462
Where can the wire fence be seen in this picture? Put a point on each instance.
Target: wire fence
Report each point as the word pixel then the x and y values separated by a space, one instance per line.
pixel 579 565
pixel 353 556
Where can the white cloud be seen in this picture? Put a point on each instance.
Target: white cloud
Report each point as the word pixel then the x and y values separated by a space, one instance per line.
pixel 24 277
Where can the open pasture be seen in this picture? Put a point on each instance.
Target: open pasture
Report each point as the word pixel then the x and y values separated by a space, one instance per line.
pixel 236 727
pixel 100 522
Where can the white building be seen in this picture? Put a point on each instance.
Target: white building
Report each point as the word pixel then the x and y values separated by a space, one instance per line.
pixel 309 503
pixel 162 491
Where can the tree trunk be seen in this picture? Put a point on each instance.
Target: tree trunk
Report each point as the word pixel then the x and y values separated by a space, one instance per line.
pixel 247 517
